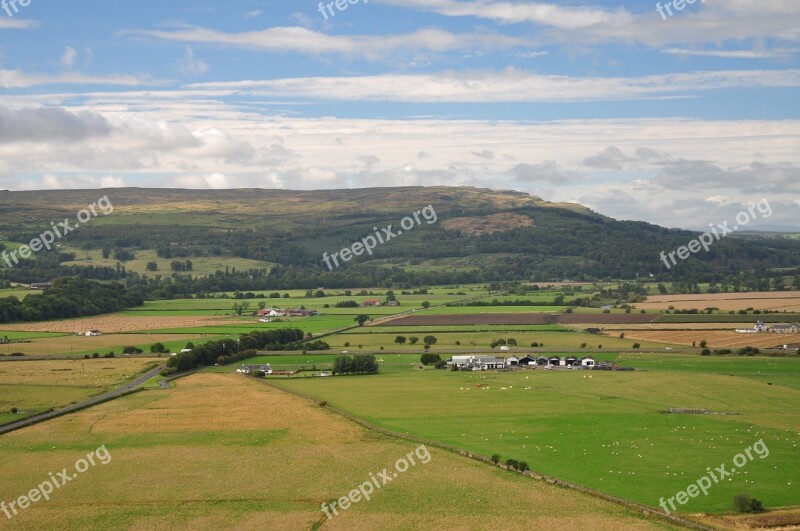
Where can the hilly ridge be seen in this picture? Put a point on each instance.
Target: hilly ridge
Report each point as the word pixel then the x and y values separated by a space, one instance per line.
pixel 508 236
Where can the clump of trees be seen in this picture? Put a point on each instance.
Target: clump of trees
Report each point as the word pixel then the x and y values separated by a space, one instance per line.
pixel 227 351
pixel 430 359
pixel 743 503
pixel 70 297
pixel 357 364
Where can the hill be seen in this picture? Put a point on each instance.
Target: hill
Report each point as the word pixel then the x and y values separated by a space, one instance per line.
pixel 276 238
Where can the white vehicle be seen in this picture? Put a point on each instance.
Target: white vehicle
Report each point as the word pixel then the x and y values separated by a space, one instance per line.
pixel 505 347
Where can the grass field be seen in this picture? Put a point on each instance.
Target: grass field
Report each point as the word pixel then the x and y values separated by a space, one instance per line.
pixel 35 386
pixel 609 431
pixel 201 265
pixel 467 338
pixel 221 451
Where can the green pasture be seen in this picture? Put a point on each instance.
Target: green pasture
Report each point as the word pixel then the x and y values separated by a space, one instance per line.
pixel 314 324
pixel 201 265
pixel 606 430
pixel 467 338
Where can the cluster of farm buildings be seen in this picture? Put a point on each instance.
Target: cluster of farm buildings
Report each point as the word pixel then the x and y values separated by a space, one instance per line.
pixel 482 363
pixel 775 329
pixel 285 312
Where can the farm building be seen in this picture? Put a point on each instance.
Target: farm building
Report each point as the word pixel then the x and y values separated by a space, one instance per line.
pixel 513 361
pixel 247 369
pixel 41 285
pixel 372 302
pixel 92 333
pixel 477 363
pixel 527 361
pixel 784 329
pixel 759 327
pixel 587 362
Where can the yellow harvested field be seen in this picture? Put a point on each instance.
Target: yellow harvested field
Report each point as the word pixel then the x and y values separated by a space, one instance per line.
pixel 715 338
pixel 761 300
pixel 93 372
pixel 65 345
pixel 222 451
pixel 116 323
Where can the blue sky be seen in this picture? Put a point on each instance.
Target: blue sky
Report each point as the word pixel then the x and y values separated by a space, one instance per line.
pixel 680 120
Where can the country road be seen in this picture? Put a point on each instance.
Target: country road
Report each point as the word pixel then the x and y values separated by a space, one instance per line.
pixel 109 395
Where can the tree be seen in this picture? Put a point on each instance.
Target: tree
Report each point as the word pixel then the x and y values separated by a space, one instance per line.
pixel 429 340
pixel 743 503
pixel 106 252
pixel 523 466
pixel 413 340
pixel 158 348
pixel 430 359
pixel 703 344
pixel 496 458
pixel 426 304
pixel 361 319
pixel 512 464
pixel 512 342
pixel 240 308
pixel 637 345
pixel 400 340
pixel 151 266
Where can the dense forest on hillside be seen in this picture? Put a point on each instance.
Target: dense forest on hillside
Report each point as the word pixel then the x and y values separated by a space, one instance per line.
pixel 293 229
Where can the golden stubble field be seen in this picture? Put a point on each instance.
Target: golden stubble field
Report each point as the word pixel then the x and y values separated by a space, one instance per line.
pixel 91 372
pixel 774 300
pixel 222 451
pixel 66 345
pixel 715 338
pixel 116 324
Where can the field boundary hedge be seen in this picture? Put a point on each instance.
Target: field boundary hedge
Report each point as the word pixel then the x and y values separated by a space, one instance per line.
pixel 483 459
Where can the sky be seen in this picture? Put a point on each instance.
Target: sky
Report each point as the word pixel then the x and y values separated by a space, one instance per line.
pixel 638 110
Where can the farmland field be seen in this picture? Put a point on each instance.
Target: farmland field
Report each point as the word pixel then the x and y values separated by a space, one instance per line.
pixel 780 301
pixel 715 338
pixel 608 431
pixel 34 386
pixel 182 450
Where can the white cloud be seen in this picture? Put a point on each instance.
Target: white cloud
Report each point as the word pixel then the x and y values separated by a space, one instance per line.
pixel 191 65
pixel 15 23
pixel 709 22
pixel 68 58
pixel 372 47
pixel 18 79
pixel 511 85
pixel 779 53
